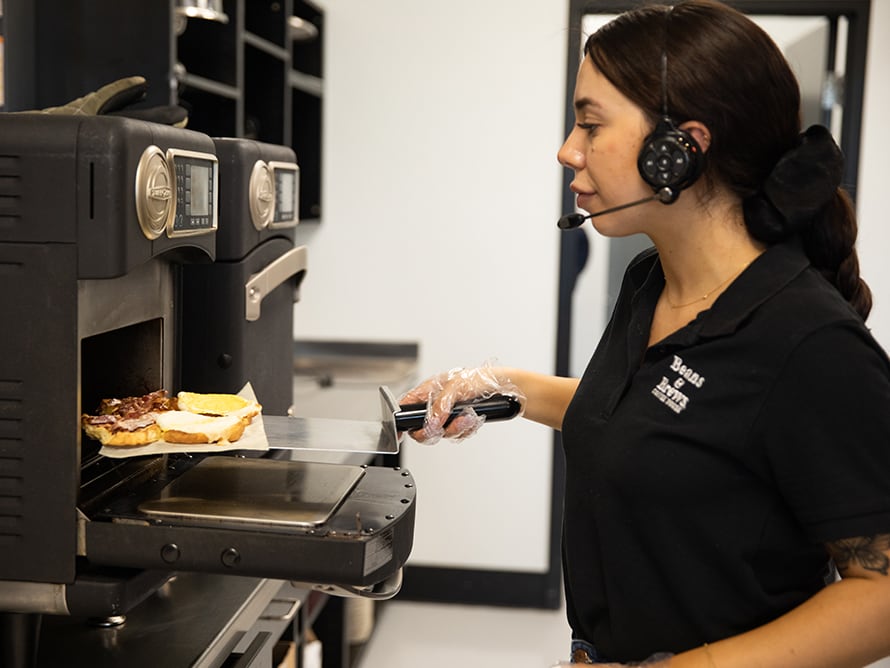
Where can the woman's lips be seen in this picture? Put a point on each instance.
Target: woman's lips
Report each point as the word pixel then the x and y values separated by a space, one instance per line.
pixel 584 199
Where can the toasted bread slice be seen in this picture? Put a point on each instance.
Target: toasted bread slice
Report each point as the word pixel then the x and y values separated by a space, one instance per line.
pixel 187 427
pixel 217 404
pixel 122 437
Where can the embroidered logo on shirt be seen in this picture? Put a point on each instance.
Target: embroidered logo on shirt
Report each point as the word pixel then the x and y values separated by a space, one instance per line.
pixel 671 392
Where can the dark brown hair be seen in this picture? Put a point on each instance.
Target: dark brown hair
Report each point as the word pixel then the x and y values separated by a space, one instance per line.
pixel 723 70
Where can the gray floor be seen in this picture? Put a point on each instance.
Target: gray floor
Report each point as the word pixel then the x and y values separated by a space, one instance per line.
pixel 408 635
pixel 413 635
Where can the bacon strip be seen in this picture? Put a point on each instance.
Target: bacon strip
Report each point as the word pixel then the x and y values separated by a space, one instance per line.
pixel 131 413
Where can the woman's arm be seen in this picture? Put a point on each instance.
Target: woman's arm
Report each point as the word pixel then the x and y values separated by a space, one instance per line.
pixel 846 625
pixel 547 397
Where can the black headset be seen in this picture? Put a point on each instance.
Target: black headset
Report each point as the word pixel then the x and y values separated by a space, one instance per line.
pixel 670 159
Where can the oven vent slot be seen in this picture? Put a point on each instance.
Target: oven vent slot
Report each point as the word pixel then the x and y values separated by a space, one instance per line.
pixel 10 192
pixel 12 476
pixel 11 502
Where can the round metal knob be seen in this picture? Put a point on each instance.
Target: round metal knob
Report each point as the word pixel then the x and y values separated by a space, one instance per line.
pixel 261 194
pixel 155 192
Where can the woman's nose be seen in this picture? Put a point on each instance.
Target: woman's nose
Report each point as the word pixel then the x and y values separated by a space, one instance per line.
pixel 569 156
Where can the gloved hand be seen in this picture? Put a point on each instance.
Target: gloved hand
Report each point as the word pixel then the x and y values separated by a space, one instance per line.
pixel 444 390
pixel 115 99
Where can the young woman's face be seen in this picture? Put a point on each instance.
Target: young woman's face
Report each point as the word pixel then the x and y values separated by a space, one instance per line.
pixel 602 150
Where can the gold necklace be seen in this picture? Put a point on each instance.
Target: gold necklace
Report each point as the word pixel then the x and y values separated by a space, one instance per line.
pixel 704 296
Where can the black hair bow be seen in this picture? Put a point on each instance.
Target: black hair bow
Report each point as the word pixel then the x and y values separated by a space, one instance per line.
pixel 803 181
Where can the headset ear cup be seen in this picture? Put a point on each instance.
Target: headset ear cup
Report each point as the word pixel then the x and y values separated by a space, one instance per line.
pixel 670 160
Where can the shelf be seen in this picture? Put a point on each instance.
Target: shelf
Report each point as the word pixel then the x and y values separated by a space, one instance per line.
pixel 266 46
pixel 306 138
pixel 306 54
pixel 205 85
pixel 211 114
pixel 306 83
pixel 210 50
pixel 266 21
pixel 264 101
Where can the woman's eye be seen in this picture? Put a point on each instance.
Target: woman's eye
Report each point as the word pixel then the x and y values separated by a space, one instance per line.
pixel 589 128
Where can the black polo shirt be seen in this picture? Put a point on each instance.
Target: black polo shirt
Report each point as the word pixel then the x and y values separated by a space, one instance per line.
pixel 705 474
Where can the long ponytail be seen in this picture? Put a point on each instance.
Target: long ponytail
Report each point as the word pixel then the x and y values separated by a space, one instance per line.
pixel 802 196
pixel 830 243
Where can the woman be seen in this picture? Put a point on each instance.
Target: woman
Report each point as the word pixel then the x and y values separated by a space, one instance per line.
pixel 727 446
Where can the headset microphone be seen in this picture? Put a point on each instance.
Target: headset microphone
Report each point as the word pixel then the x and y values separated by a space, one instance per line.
pixel 573 220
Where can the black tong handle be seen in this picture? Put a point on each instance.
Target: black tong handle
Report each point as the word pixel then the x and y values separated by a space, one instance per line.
pixel 497 407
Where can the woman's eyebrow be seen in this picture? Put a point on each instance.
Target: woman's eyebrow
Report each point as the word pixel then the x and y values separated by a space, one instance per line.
pixel 587 104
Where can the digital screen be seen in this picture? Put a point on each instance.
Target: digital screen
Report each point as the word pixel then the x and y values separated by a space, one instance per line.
pixel 200 190
pixel 285 194
pixel 196 180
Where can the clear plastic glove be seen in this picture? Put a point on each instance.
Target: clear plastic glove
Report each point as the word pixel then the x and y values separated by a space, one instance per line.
pixel 116 99
pixel 443 391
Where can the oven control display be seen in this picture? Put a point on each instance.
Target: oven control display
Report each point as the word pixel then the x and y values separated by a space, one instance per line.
pixel 196 179
pixel 287 193
pixel 274 194
pixel 176 192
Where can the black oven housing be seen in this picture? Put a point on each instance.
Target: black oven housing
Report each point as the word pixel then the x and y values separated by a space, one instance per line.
pixel 94 308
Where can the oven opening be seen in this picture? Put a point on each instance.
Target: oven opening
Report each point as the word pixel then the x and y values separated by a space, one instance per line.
pixel 123 362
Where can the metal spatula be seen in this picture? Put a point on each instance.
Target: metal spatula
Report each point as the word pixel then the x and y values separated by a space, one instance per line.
pixel 312 433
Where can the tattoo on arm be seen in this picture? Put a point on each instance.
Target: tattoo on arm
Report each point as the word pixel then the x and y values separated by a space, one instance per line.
pixel 868 552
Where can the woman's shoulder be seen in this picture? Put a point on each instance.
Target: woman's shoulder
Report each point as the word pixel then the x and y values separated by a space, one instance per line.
pixel 792 293
pixel 810 310
pixel 812 299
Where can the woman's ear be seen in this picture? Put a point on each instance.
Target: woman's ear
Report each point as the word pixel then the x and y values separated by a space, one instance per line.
pixel 699 132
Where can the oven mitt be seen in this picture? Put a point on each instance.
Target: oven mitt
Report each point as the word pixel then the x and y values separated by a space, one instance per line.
pixel 115 98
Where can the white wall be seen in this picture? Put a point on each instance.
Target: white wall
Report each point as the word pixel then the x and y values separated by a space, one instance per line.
pixel 874 172
pixel 441 195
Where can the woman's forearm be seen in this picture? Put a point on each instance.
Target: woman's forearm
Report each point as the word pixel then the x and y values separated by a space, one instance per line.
pixel 547 397
pixel 843 626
